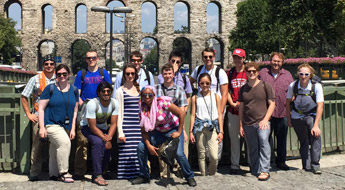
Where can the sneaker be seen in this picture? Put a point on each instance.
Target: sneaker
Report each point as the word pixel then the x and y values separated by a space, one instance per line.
pixel 191 182
pixel 33 178
pixel 283 166
pixel 317 171
pixel 140 180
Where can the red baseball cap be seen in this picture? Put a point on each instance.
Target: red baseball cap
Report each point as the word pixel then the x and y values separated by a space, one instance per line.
pixel 239 52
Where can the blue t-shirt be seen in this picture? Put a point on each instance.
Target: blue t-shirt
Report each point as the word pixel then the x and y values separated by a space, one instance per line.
pixel 55 112
pixel 91 81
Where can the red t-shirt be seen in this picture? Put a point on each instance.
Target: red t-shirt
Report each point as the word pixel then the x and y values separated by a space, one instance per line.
pixel 236 82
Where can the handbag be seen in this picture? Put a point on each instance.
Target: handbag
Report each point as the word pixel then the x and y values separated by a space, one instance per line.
pixel 168 150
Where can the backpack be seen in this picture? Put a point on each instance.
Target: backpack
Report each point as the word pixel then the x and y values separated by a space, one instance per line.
pixel 311 93
pixel 230 74
pixel 217 73
pixel 82 111
pixel 184 81
pixel 84 72
pixel 147 77
pixel 160 86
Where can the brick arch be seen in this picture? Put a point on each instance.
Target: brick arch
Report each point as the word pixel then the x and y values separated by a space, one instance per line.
pixel 218 4
pixel 76 15
pixel 156 13
pixel 8 3
pixel 188 12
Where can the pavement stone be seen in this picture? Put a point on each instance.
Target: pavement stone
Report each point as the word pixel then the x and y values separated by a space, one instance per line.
pixel 332 177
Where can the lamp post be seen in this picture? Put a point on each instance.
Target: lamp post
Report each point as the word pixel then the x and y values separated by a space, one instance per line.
pixel 105 9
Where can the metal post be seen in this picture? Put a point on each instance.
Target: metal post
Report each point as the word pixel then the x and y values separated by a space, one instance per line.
pixel 110 66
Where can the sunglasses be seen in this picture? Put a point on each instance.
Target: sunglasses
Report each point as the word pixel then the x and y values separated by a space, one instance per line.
pixel 144 95
pixel 131 73
pixel 305 74
pixel 49 64
pixel 210 57
pixel 136 60
pixel 106 91
pixel 204 83
pixel 92 58
pixel 252 71
pixel 64 74
pixel 175 61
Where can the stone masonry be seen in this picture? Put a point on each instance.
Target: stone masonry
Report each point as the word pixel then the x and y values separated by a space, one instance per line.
pixel 63 33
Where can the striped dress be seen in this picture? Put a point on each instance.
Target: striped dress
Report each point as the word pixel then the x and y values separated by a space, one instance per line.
pixel 128 165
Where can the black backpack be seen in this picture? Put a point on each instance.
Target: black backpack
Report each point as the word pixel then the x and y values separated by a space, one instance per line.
pixel 217 73
pixel 51 89
pixel 230 74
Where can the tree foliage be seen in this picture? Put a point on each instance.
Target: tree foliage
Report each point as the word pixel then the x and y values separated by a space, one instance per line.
pixel 8 40
pixel 80 47
pixel 151 61
pixel 303 27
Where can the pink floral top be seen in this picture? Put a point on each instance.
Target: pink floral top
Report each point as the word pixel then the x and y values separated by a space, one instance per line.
pixel 165 119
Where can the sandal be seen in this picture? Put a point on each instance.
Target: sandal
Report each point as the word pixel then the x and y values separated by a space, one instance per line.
pixel 99 180
pixel 264 176
pixel 66 178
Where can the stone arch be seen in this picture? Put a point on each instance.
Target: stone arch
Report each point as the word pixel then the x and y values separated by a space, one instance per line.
pixel 78 51
pixel 184 27
pixel 45 47
pixel 153 14
pixel 218 45
pixel 118 52
pixel 184 45
pixel 149 47
pixel 45 17
pixel 16 17
pixel 213 24
pixel 80 16
pixel 118 26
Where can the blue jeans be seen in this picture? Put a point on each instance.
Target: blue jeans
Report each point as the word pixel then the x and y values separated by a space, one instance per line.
pixel 259 148
pixel 280 128
pixel 156 139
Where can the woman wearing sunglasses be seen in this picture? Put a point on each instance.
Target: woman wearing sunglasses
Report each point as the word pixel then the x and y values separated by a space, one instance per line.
pixel 160 120
pixel 257 103
pixel 129 132
pixel 206 125
pixel 57 113
pixel 304 107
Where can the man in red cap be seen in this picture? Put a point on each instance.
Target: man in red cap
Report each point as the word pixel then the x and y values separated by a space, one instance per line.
pixel 237 78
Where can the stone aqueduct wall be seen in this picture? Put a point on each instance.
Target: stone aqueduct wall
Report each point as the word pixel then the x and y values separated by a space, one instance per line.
pixel 63 33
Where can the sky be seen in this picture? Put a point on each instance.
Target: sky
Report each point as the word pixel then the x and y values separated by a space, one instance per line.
pixel 148 17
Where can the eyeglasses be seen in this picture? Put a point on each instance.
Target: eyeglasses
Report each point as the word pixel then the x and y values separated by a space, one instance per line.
pixel 252 71
pixel 49 64
pixel 144 95
pixel 92 58
pixel 131 73
pixel 305 74
pixel 106 91
pixel 175 61
pixel 210 57
pixel 204 83
pixel 136 60
pixel 64 74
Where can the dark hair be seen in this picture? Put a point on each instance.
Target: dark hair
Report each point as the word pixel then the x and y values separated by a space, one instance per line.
pixel 136 54
pixel 101 86
pixel 208 49
pixel 204 75
pixel 176 53
pixel 62 66
pixel 280 55
pixel 252 64
pixel 91 50
pixel 136 75
pixel 167 67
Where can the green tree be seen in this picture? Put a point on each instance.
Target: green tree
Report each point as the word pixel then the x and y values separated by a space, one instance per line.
pixel 183 45
pixel 184 29
pixel 8 40
pixel 151 61
pixel 80 47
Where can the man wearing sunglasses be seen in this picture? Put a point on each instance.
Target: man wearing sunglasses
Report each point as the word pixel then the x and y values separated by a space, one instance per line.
pixel 35 87
pixel 145 77
pixel 87 81
pixel 279 79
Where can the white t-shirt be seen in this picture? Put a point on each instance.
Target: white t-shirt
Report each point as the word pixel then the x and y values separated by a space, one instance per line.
pixel 90 112
pixel 318 92
pixel 223 78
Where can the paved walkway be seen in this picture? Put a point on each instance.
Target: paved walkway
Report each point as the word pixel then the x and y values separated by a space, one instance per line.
pixel 333 177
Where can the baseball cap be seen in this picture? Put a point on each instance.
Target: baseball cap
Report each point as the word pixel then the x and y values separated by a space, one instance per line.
pixel 239 52
pixel 48 57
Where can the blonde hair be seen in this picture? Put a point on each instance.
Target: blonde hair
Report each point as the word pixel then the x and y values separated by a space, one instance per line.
pixel 311 69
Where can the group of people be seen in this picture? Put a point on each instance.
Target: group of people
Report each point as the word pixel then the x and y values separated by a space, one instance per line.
pixel 141 116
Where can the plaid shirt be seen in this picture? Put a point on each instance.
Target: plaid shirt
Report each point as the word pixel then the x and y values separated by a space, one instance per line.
pixel 176 92
pixel 33 86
